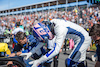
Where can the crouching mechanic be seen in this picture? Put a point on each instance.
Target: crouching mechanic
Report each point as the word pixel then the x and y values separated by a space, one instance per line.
pixel 25 44
pixel 95 35
pixel 60 28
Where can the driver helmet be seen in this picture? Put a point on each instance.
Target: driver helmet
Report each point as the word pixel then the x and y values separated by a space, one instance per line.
pixel 42 31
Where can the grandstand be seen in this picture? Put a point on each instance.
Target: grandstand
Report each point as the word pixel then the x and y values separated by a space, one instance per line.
pixel 47 5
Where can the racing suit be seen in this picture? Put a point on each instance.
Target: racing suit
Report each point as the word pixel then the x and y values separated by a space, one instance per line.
pixel 69 29
pixel 49 47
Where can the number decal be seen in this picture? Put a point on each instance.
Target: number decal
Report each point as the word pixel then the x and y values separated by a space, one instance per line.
pixel 42 30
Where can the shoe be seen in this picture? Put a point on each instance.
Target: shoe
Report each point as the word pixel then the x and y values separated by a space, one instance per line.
pixel 93 58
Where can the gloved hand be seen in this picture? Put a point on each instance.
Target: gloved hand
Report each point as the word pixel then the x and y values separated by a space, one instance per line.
pixel 35 63
pixel 26 55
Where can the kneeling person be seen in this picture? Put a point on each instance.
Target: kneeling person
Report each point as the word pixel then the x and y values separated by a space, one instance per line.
pixel 25 45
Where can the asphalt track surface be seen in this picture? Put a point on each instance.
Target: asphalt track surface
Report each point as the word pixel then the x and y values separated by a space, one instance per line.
pixel 64 55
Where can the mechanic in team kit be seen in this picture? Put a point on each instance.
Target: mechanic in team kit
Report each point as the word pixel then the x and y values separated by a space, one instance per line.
pixel 95 35
pixel 25 44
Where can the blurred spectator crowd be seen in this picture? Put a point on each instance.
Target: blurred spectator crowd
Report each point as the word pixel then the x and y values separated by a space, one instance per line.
pixel 85 17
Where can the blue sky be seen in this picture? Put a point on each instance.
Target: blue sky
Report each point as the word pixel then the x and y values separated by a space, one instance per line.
pixel 6 4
